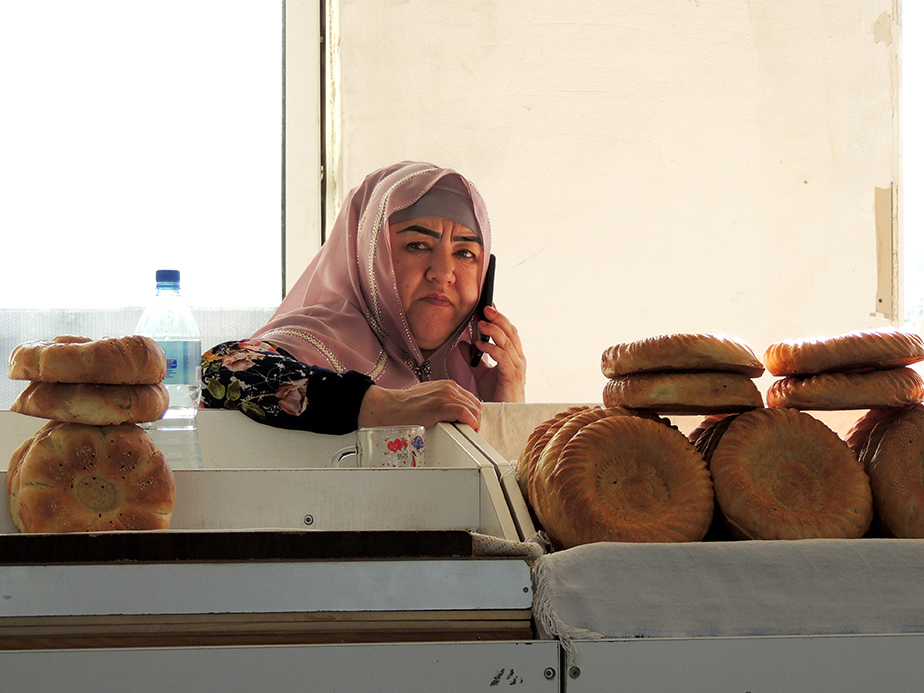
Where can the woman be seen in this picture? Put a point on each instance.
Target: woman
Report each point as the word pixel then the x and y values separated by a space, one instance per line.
pixel 380 327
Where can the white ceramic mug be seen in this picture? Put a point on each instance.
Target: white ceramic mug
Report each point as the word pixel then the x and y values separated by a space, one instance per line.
pixel 384 446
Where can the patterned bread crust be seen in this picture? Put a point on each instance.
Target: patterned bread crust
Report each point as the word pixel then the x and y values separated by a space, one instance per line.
pixel 131 360
pixel 860 432
pixel 894 456
pixel 548 458
pixel 864 435
pixel 527 458
pixel 683 393
pixel 98 405
pixel 12 482
pixel 852 351
pixel 782 474
pixel 533 447
pixel 894 387
pixel 78 478
pixel 624 478
pixel 682 352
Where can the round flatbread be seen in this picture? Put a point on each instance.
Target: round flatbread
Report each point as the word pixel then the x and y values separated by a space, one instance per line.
pixel 534 444
pixel 894 387
pixel 683 353
pixel 863 429
pixel 131 360
pixel 625 478
pixel 894 456
pixel 683 393
pixel 782 474
pixel 548 458
pixel 78 478
pixel 97 405
pixel 852 351
pixel 12 483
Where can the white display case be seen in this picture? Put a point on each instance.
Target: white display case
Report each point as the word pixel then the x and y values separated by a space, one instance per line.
pixel 272 550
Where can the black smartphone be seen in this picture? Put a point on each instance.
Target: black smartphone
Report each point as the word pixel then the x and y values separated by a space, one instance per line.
pixel 487 299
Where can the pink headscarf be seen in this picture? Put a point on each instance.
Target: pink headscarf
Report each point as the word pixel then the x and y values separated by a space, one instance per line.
pixel 344 312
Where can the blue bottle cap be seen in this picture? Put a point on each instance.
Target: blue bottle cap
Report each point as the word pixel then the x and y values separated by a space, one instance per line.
pixel 164 276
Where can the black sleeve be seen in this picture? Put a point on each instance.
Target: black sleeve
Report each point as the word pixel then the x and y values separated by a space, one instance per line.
pixel 270 386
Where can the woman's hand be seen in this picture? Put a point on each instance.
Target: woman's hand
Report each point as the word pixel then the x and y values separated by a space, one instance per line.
pixel 507 381
pixel 425 404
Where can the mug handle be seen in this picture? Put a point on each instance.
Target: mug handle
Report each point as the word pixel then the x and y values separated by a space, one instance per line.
pixel 337 459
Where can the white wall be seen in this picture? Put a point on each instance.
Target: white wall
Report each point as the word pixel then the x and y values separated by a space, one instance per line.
pixel 650 166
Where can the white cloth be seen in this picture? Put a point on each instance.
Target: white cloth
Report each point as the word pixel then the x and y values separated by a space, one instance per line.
pixel 815 586
pixel 487 545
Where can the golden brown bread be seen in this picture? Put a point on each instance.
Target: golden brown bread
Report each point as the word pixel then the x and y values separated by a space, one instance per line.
pixel 76 478
pixel 683 393
pixel 893 387
pixel 98 405
pixel 131 360
pixel 12 483
pixel 535 443
pixel 782 474
pixel 548 456
pixel 863 428
pixel 682 352
pixel 894 457
pixel 852 351
pixel 625 478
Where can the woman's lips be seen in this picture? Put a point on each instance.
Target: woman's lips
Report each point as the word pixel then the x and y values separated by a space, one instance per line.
pixel 437 300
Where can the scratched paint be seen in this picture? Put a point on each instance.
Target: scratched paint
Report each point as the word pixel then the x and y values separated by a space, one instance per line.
pixel 506 677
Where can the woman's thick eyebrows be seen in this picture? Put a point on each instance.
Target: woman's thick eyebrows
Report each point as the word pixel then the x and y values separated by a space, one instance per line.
pixel 458 238
pixel 422 229
pixel 466 239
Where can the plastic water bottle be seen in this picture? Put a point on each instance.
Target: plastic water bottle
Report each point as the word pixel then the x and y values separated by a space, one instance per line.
pixel 170 323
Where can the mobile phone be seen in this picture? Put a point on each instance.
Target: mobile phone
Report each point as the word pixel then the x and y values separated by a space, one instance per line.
pixel 487 299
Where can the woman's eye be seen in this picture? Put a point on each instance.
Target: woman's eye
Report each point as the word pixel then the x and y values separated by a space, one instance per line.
pixel 417 245
pixel 467 254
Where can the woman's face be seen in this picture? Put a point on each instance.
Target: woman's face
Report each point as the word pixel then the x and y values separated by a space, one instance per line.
pixel 437 266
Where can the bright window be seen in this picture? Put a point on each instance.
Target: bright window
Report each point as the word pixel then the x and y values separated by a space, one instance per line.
pixel 136 136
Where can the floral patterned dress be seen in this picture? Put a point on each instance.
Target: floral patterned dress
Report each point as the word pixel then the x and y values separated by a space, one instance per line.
pixel 270 386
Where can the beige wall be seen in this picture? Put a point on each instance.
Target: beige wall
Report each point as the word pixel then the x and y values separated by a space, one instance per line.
pixel 650 166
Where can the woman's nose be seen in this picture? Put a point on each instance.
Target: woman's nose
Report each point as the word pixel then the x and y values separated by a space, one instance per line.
pixel 441 268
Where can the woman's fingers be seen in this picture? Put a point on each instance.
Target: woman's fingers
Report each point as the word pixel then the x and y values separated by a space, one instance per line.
pixel 504 333
pixel 445 400
pixel 426 404
pixel 506 350
pixel 461 412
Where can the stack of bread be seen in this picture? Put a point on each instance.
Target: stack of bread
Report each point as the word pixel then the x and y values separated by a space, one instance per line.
pixel 869 370
pixel 618 472
pixel 621 472
pixel 780 473
pixel 91 467
pixel 865 369
pixel 683 374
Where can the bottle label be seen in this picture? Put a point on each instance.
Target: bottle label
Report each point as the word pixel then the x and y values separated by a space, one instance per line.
pixel 183 361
